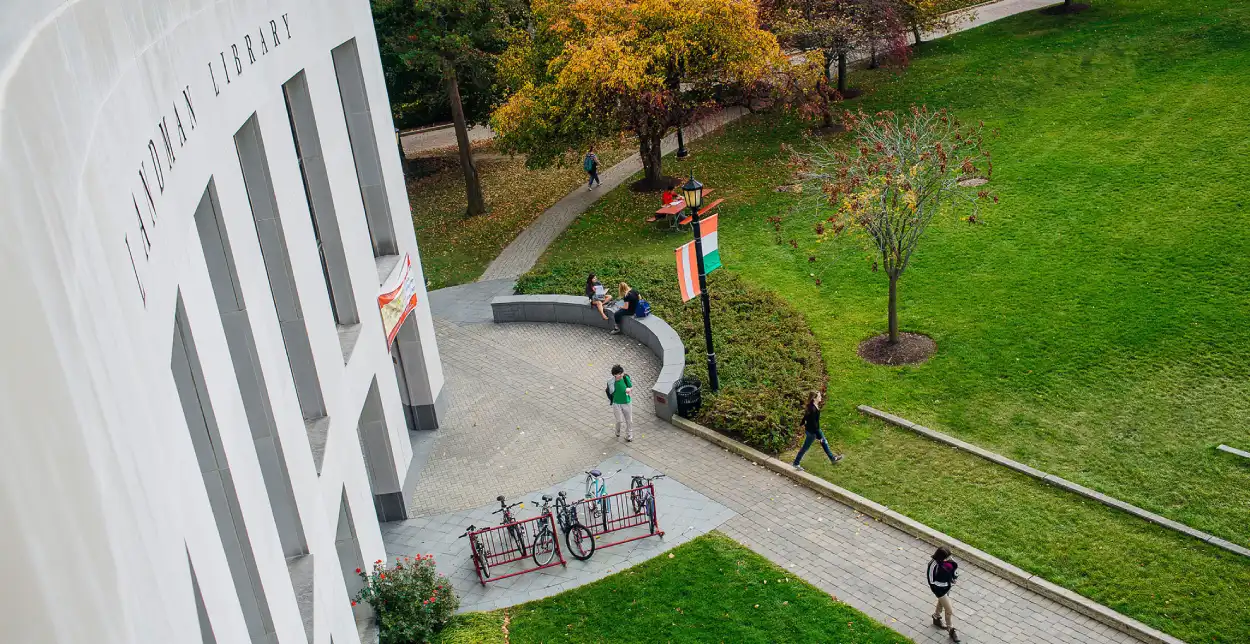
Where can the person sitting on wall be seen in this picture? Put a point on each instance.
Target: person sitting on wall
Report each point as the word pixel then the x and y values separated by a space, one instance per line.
pixel 598 294
pixel 629 306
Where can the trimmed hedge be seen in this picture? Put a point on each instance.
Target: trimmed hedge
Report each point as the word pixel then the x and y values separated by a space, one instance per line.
pixel 767 357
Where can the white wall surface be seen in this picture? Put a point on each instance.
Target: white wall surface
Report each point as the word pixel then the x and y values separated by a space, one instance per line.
pixel 101 498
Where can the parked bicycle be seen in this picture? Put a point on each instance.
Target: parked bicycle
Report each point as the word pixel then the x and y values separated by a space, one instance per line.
pixel 643 496
pixel 478 551
pixel 597 488
pixel 543 549
pixel 517 533
pixel 579 538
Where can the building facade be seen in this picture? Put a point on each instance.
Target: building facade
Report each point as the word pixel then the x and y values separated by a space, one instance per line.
pixel 202 411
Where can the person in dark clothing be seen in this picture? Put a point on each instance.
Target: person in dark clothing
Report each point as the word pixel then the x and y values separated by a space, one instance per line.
pixel 943 571
pixel 811 429
pixel 629 306
pixel 591 165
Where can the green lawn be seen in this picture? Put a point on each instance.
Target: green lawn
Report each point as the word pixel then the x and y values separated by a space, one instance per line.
pixel 709 590
pixel 1094 326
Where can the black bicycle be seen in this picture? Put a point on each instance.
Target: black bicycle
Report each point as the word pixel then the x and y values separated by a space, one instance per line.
pixel 518 534
pixel 478 551
pixel 579 538
pixel 643 497
pixel 544 549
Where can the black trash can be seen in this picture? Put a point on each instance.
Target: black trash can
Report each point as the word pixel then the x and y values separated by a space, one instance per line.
pixel 689 398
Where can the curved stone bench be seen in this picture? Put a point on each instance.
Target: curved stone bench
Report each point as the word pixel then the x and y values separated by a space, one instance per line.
pixel 573 309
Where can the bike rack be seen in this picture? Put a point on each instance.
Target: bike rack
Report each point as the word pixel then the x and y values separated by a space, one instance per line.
pixel 501 548
pixel 620 515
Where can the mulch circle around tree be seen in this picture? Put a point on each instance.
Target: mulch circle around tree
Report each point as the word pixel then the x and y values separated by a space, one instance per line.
pixel 642 185
pixel 972 182
pixel 836 128
pixel 911 348
pixel 852 93
pixel 1063 9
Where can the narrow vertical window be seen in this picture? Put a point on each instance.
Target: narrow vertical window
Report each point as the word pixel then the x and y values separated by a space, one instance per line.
pixel 246 362
pixel 364 146
pixel 277 262
pixel 325 224
pixel 222 497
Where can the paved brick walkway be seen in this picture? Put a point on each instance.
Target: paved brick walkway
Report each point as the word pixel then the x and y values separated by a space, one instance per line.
pixel 545 379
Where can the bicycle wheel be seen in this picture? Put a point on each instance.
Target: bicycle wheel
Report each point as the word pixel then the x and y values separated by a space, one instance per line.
pixel 479 554
pixel 518 537
pixel 544 549
pixel 580 541
pixel 651 512
pixel 603 509
pixel 636 496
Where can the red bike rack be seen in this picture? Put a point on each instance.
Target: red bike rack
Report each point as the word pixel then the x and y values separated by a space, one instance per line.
pixel 501 548
pixel 621 515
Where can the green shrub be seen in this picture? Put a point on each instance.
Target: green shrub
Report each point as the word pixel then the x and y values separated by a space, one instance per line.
pixel 411 599
pixel 767 357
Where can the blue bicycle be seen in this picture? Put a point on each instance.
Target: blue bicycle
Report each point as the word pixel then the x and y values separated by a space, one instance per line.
pixel 597 488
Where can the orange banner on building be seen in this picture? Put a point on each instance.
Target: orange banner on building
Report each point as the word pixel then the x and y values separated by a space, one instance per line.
pixel 397 303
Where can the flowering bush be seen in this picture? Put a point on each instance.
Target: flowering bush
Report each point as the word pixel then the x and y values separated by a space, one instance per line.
pixel 412 600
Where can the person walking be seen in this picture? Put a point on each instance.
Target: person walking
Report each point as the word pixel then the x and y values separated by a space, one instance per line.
pixel 619 388
pixel 943 571
pixel 591 165
pixel 811 429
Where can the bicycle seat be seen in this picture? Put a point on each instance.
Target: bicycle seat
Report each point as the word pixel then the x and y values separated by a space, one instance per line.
pixel 546 497
pixel 595 473
pixel 562 494
pixel 499 498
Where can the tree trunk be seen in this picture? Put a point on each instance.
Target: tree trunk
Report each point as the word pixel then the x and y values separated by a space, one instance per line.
pixel 872 57
pixel 915 31
pixel 472 185
pixel 828 109
pixel 652 161
pixel 842 73
pixel 893 309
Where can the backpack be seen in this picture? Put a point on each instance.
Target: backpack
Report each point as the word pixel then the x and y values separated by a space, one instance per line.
pixel 644 309
pixel 608 389
pixel 588 163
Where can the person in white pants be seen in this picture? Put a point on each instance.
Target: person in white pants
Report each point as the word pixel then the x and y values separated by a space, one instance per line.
pixel 619 388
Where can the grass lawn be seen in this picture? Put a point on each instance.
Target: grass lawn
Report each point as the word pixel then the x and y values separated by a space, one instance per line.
pixel 1094 326
pixel 711 590
pixel 456 249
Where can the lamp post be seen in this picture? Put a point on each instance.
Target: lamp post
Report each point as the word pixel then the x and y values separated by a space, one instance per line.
pixel 682 152
pixel 693 191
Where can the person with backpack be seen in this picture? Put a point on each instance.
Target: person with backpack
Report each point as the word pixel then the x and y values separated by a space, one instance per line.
pixel 631 304
pixel 591 165
pixel 943 571
pixel 811 430
pixel 619 388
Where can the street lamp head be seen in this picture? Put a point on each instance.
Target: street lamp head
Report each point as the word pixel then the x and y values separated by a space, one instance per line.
pixel 693 191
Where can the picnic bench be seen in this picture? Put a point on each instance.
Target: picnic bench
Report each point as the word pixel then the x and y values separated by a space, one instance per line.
pixel 672 213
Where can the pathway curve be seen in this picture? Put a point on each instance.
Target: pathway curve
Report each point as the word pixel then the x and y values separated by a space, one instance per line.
pixel 527 413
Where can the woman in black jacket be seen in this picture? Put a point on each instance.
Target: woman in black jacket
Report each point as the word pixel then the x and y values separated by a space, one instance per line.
pixel 942 573
pixel 811 427
pixel 629 306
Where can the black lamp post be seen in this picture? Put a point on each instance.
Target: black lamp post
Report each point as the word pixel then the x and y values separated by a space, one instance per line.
pixel 693 191
pixel 682 152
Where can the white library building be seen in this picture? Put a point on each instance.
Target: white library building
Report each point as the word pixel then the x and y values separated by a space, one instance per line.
pixel 217 346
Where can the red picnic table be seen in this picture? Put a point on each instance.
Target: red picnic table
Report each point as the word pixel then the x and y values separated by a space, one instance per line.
pixel 671 212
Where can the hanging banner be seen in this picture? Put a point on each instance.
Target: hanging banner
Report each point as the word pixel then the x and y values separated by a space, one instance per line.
pixel 397 303
pixel 687 272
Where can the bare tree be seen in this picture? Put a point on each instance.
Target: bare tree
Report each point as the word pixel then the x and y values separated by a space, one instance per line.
pixel 904 169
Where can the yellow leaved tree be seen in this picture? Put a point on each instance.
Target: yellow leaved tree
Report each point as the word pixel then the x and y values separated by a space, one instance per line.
pixel 591 70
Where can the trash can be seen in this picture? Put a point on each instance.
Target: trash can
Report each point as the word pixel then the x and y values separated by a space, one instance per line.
pixel 689 398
